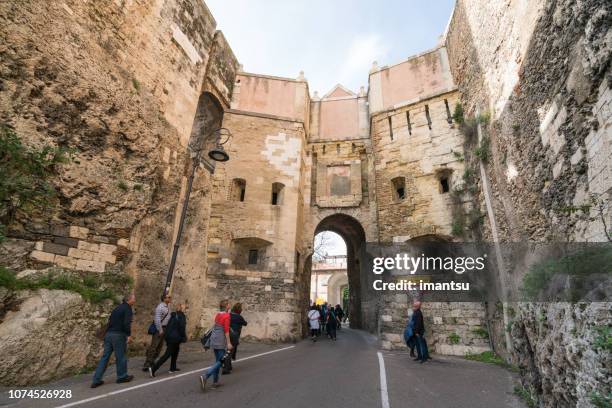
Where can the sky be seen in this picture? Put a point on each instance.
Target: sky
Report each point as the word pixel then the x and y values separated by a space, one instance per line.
pixel 330 243
pixel 332 41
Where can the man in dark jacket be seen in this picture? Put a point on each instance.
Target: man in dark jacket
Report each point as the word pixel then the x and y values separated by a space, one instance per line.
pixel 175 335
pixel 118 335
pixel 419 333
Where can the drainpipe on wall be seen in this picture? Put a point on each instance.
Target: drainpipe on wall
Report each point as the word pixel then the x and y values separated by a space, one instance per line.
pixel 498 257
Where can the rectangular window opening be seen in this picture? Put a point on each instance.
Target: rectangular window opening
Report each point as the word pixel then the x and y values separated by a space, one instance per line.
pixel 390 127
pixel 409 123
pixel 400 193
pixel 444 185
pixel 274 198
pixel 449 117
pixel 428 117
pixel 242 194
pixel 253 255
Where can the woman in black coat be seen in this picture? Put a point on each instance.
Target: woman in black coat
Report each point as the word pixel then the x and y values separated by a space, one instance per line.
pixel 174 335
pixel 236 323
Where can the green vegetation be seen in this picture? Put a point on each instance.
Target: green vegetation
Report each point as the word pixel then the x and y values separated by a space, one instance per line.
pixel 482 332
pixel 93 288
pixel 454 338
pixel 526 395
pixel 490 357
pixel 24 185
pixel 458 156
pixel 458 227
pixel 484 118
pixel 601 401
pixel 136 84
pixel 603 339
pixel 482 151
pixel 575 265
pixel 122 185
pixel 468 175
pixel 458 114
pixel 137 187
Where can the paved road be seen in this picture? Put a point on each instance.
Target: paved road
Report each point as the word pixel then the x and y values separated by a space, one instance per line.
pixel 338 374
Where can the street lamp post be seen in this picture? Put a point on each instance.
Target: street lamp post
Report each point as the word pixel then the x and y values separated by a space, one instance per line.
pixel 216 154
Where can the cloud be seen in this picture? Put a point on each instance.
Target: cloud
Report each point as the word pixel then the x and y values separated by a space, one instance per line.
pixel 363 50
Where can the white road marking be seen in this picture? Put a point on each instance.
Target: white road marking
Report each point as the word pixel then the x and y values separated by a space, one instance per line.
pixel 384 396
pixel 174 377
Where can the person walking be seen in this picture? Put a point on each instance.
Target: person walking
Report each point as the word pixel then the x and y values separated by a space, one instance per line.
pixel 419 332
pixel 339 315
pixel 409 336
pixel 219 343
pixel 174 336
pixel 236 323
pixel 313 319
pixel 156 330
pixel 331 323
pixel 118 335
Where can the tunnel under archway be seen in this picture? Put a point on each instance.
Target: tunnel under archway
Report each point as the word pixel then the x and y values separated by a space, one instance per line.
pixel 354 237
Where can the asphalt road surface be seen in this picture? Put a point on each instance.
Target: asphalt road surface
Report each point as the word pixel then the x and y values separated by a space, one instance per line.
pixel 350 372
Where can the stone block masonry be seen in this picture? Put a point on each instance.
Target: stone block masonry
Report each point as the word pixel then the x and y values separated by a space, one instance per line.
pixel 77 254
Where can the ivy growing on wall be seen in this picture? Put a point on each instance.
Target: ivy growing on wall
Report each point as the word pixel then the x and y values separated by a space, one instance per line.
pixel 25 173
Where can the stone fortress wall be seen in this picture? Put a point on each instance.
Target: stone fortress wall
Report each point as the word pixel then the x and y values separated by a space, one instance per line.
pixel 122 81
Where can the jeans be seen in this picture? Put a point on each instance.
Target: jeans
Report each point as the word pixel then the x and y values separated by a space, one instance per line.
pixel 113 342
pixel 214 370
pixel 172 352
pixel 422 352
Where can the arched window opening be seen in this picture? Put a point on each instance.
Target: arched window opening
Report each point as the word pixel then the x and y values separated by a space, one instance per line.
pixel 277 193
pixel 238 190
pixel 399 188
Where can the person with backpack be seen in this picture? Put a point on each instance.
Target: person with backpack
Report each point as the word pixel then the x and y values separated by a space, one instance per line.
pixel 313 319
pixel 331 323
pixel 236 323
pixel 175 335
pixel 219 341
pixel 157 331
pixel 118 335
pixel 409 336
pixel 339 315
pixel 419 332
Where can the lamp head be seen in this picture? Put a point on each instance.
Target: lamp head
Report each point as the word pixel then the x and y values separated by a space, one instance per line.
pixel 218 154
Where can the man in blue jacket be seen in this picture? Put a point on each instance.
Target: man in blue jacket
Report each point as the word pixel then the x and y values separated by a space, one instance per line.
pixel 118 335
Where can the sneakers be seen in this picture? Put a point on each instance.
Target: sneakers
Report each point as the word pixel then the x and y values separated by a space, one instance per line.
pixel 174 371
pixel 97 384
pixel 125 379
pixel 151 372
pixel 203 381
pixel 216 385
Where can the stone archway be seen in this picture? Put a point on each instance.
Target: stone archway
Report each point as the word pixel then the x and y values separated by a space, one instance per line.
pixel 354 236
pixel 334 287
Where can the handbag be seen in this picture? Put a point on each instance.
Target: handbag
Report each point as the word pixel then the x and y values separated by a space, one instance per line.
pixel 153 328
pixel 205 340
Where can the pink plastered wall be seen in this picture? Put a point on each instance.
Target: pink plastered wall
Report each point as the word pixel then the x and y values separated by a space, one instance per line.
pixel 271 96
pixel 339 119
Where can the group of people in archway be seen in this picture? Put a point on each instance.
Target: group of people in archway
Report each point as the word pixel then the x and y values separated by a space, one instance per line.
pixel 325 318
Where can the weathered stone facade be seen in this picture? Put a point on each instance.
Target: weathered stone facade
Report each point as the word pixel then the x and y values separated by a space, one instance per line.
pixel 128 85
pixel 119 84
pixel 541 70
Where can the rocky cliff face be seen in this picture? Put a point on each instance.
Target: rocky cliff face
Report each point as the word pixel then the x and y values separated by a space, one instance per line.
pixel 541 72
pixel 118 84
